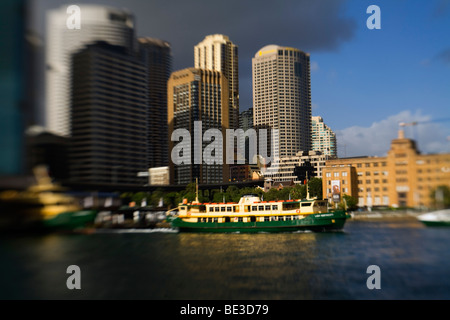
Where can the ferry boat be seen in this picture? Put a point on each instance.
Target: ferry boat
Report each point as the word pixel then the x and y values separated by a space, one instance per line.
pixel 253 215
pixel 43 206
pixel 440 218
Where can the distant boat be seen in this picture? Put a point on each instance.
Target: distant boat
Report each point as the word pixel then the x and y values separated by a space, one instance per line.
pixel 44 205
pixel 440 218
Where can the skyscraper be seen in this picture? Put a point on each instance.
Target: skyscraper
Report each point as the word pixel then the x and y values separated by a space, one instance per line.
pixel 98 23
pixel 282 96
pixel 216 52
pixel 196 95
pixel 158 58
pixel 323 138
pixel 109 116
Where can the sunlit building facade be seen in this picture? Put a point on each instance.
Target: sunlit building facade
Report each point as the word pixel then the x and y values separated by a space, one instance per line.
pixel 198 96
pixel 323 139
pixel 217 53
pixel 404 178
pixel 282 96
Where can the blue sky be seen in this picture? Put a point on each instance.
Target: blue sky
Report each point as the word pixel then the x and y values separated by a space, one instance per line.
pixel 399 73
pixel 364 82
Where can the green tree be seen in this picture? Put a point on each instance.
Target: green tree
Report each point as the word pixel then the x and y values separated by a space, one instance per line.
pixel 315 188
pixel 298 192
pixel 232 194
pixel 440 196
pixel 349 201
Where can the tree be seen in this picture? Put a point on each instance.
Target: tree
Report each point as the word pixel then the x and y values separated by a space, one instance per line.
pixel 315 188
pixel 440 196
pixel 350 202
pixel 298 192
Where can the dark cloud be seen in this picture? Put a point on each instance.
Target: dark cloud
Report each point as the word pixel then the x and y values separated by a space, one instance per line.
pixel 444 57
pixel 311 26
pixel 441 9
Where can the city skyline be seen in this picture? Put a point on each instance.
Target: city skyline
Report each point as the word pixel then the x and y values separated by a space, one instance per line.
pixel 379 77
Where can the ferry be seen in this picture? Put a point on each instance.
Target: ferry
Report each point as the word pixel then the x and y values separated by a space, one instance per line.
pixel 251 214
pixel 440 218
pixel 43 206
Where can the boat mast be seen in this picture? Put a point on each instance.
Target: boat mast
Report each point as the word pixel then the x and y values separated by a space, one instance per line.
pixel 307 189
pixel 196 190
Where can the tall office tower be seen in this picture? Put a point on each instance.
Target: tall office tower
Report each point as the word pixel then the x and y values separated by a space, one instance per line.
pixel 323 138
pixel 282 96
pixel 109 116
pixel 196 95
pixel 216 52
pixel 98 23
pixel 245 123
pixel 246 119
pixel 158 57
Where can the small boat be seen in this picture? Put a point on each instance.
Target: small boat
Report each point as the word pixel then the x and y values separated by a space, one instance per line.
pixel 439 218
pixel 253 215
pixel 43 206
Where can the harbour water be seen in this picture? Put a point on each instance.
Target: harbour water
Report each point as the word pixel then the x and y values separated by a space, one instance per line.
pixel 162 264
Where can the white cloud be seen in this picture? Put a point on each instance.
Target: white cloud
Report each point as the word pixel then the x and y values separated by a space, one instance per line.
pixel 430 136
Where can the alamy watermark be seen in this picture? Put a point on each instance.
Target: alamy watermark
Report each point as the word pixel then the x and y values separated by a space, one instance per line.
pixel 374 21
pixel 73 281
pixel 373 281
pixel 213 153
pixel 73 22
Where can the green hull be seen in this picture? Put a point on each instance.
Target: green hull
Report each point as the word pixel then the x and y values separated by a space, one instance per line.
pixel 313 222
pixel 436 223
pixel 70 220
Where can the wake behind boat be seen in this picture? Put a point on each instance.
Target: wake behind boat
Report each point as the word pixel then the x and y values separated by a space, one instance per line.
pixel 439 218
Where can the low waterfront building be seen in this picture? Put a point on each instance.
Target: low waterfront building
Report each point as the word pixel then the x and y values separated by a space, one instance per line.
pixel 159 176
pixel 284 170
pixel 404 178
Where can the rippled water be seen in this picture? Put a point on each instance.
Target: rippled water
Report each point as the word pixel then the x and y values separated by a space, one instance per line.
pixel 161 264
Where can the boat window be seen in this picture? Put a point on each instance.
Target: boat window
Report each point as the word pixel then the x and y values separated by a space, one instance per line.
pixel 254 208
pixel 273 218
pixel 216 209
pixel 216 219
pixel 222 209
pixel 211 209
pixel 275 207
pixel 236 209
pixel 240 219
pixel 266 218
pixel 291 206
pixel 202 208
pixel 260 208
pixel 252 219
pixel 306 204
pixel 227 219
pixel 209 219
pixel 288 218
pixel 229 209
pixel 267 207
pixel 280 218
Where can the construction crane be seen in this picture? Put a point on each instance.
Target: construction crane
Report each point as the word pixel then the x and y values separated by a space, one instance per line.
pixel 415 123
